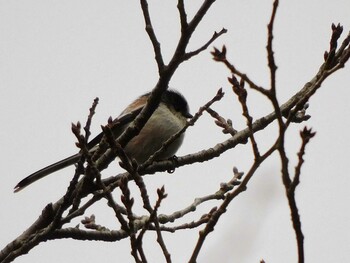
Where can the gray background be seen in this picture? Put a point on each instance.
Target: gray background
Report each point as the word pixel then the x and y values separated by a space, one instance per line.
pixel 57 56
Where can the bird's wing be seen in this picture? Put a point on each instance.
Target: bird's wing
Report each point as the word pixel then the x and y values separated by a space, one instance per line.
pixel 116 126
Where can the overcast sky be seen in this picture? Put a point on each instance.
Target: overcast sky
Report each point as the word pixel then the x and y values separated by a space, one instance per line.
pixel 57 56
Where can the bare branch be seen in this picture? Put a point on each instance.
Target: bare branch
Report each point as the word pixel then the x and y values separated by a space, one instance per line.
pixel 89 119
pixel 152 36
pixel 242 94
pixel 270 56
pixel 306 134
pixel 183 15
pixel 206 45
pixel 222 208
pixel 220 56
pixel 222 122
pixel 161 195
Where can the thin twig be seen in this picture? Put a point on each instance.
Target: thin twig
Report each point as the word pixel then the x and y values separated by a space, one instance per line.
pixel 206 45
pixel 270 53
pixel 306 135
pixel 242 94
pixel 152 36
pixel 228 198
pixel 222 122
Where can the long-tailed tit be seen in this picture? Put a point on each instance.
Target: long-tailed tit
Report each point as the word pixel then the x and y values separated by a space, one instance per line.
pixel 169 118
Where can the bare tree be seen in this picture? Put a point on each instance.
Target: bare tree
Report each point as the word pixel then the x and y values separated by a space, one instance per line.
pixel 52 223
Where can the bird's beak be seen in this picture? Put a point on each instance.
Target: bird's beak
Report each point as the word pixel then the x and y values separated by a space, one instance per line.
pixel 188 115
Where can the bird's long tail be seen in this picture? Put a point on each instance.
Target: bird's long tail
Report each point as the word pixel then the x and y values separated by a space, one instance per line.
pixel 117 129
pixel 46 171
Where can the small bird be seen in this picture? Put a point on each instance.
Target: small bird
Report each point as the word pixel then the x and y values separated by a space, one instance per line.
pixel 170 117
